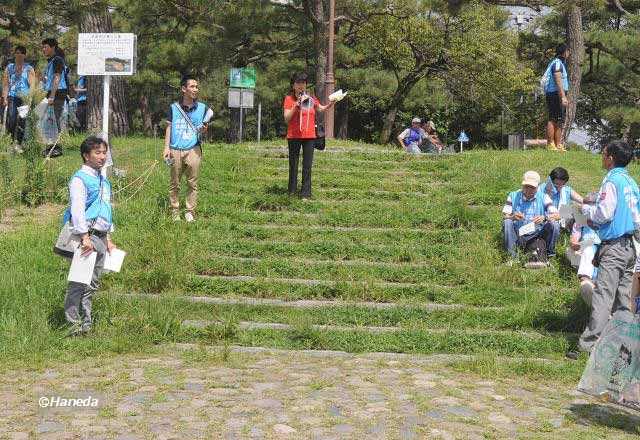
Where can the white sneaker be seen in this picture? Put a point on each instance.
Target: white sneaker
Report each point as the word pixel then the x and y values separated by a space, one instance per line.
pixel 536 265
pixel 189 217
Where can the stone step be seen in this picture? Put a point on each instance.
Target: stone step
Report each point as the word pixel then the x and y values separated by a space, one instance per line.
pixel 308 303
pixel 399 357
pixel 313 283
pixel 329 150
pixel 252 325
pixel 309 261
pixel 335 228
pixel 383 284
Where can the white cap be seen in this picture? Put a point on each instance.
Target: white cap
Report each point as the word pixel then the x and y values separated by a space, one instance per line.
pixel 531 178
pixel 416 120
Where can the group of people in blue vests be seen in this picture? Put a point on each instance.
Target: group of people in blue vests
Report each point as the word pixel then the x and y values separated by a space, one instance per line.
pixel 20 79
pixel 604 227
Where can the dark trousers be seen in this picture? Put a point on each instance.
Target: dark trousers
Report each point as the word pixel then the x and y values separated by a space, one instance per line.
pixel 307 161
pixel 549 232
pixel 81 114
pixel 58 106
pixel 15 125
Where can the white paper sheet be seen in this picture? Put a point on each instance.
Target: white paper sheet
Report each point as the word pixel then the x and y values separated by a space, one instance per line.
pixel 573 257
pixel 81 269
pixel 337 96
pixel 113 261
pixel 581 219
pixel 566 211
pixel 529 228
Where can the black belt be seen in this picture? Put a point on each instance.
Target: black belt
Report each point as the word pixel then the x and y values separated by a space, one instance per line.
pixel 99 234
pixel 624 239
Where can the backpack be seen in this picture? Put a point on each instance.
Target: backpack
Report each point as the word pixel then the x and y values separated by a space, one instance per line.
pixel 544 79
pixel 536 249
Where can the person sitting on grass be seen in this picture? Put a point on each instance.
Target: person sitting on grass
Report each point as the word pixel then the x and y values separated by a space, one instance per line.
pixel 411 138
pixel 527 206
pixel 90 215
pixel 561 194
pixel 432 137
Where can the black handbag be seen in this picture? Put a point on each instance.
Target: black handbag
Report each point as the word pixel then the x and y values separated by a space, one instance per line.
pixel 319 143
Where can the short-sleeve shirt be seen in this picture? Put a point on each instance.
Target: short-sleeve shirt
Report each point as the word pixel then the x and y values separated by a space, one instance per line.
pixel 303 122
pixel 406 132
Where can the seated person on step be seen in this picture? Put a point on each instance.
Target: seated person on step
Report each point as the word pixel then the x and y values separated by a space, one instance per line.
pixel 561 194
pixel 411 138
pixel 433 141
pixel 530 208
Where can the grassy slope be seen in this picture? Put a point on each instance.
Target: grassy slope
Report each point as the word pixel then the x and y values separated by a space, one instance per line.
pixel 445 241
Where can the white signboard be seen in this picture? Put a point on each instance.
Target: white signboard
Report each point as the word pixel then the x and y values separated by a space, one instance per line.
pixel 241 98
pixel 107 54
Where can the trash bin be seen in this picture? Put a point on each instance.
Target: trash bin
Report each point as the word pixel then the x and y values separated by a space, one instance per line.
pixel 516 141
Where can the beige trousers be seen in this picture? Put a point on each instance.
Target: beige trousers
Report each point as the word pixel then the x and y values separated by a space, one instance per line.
pixel 187 162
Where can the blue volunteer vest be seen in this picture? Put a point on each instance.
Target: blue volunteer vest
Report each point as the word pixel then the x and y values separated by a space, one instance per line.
pixel 97 205
pixel 627 205
pixel 183 137
pixel 62 85
pixel 559 198
pixel 82 84
pixel 530 208
pixel 414 137
pixel 551 83
pixel 19 85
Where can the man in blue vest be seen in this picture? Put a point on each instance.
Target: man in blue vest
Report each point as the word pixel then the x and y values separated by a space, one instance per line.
pixel 90 214
pixel 616 218
pixel 18 80
pixel 81 98
pixel 186 120
pixel 529 214
pixel 556 87
pixel 55 85
pixel 411 138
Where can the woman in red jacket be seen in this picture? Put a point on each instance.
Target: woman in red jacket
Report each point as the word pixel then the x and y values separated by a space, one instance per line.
pixel 300 114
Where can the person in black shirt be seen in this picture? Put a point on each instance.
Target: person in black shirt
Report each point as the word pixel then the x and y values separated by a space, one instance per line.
pixel 56 85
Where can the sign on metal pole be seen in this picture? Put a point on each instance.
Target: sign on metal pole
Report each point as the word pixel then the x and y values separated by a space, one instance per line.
pixel 242 78
pixel 239 98
pixel 107 55
pixel 462 139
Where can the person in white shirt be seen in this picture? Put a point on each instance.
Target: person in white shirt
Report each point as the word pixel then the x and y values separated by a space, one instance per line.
pixel 411 138
pixel 90 215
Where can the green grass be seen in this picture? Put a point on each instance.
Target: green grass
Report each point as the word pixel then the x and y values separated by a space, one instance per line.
pixel 442 243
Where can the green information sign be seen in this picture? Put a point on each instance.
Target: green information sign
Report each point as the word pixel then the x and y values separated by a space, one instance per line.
pixel 243 78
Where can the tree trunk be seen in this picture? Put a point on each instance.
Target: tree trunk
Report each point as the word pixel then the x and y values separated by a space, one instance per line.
pixel 387 126
pixel 318 14
pixel 404 87
pixel 147 120
pixel 343 121
pixel 575 43
pixel 5 52
pixel 99 20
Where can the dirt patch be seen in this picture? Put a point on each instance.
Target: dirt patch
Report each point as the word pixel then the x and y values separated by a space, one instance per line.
pixel 11 219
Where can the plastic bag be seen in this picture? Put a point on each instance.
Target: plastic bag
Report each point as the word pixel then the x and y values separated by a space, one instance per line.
pixel 48 126
pixel 613 370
